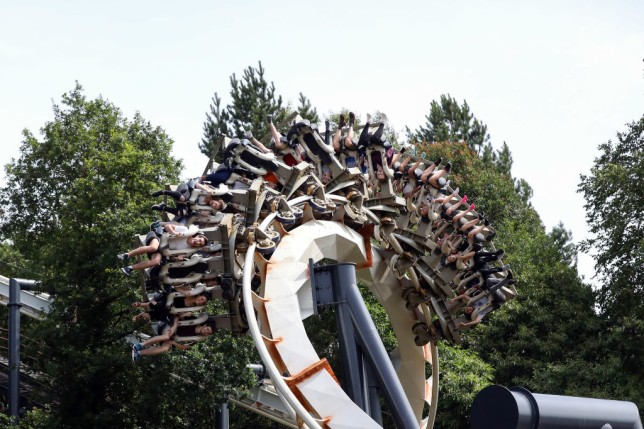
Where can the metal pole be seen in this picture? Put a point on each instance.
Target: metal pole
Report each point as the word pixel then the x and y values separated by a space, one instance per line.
pixel 344 280
pixel 222 419
pixel 14 343
pixel 350 356
pixel 516 408
pixel 373 394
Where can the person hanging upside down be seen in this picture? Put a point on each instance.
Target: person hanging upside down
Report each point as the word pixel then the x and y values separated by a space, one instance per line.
pixel 178 240
pixel 166 339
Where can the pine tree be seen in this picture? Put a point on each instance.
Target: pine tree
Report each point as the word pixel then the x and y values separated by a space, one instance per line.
pixel 449 122
pixel 253 98
pixel 307 111
pixel 215 126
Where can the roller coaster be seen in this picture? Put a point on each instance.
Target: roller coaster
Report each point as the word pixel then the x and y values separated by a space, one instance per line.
pixel 393 222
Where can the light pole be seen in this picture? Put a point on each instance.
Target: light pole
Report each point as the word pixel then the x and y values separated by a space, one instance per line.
pixel 15 285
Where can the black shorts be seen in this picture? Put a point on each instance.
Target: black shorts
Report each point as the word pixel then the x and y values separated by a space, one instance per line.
pixel 149 239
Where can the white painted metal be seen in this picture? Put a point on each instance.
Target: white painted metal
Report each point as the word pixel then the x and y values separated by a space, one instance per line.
pixel 33 305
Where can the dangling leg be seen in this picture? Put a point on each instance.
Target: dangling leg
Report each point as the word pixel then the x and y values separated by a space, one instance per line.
pixel 462 213
pixel 274 133
pixel 348 140
pixel 451 209
pixel 338 134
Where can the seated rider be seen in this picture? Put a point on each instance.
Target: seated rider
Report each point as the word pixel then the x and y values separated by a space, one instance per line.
pixel 166 339
pixel 178 240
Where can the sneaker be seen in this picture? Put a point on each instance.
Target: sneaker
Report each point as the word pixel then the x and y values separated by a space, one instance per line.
pixel 136 356
pixel 248 135
pixel 157 193
pixel 137 347
pixel 269 119
pixel 159 207
pixel 123 256
pixel 127 270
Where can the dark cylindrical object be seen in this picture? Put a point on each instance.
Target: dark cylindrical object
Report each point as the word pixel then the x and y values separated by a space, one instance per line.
pixel 258 368
pixel 497 407
pixel 14 342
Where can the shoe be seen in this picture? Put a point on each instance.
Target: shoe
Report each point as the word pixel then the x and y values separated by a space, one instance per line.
pixel 137 347
pixel 136 356
pixel 448 167
pixel 438 161
pixel 352 118
pixel 269 119
pixel 248 135
pixel 157 193
pixel 127 270
pixel 123 256
pixel 342 122
pixel 160 207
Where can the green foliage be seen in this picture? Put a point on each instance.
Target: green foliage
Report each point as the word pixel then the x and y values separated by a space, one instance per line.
pixel 215 127
pixel 13 264
pixel 563 240
pixel 462 375
pixel 613 194
pixel 252 99
pixel 450 122
pixel 307 111
pixel 73 201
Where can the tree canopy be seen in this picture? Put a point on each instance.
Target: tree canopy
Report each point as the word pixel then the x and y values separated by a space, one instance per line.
pixel 73 200
pixel 450 122
pixel 613 194
pixel 253 98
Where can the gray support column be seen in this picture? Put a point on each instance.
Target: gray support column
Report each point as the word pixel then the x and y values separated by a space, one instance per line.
pixel 350 355
pixel 14 343
pixel 346 289
pixel 373 394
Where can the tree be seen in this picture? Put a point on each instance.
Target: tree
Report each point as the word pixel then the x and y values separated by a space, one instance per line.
pixel 252 99
pixel 307 111
pixel 450 122
pixel 215 127
pixel 73 200
pixel 613 195
pixel 562 238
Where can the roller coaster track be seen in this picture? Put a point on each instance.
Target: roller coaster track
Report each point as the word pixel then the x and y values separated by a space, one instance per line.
pixel 395 255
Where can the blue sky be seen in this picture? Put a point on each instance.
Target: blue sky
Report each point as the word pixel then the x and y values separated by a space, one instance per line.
pixel 551 79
